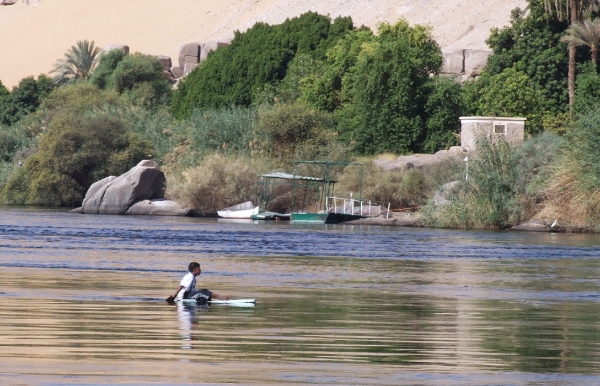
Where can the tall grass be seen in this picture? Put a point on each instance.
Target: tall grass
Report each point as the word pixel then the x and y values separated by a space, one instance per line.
pixel 505 185
pixel 573 192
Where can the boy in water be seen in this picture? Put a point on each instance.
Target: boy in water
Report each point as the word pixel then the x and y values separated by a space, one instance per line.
pixel 187 288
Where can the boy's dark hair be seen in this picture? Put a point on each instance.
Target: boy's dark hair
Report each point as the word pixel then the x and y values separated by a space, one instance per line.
pixel 193 265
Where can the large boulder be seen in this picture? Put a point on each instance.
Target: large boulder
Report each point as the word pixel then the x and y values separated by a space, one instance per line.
pixel 115 195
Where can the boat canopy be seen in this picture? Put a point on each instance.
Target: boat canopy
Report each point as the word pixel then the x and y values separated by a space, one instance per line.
pixel 287 176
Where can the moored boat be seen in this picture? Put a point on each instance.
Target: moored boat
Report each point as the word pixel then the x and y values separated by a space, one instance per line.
pixel 240 211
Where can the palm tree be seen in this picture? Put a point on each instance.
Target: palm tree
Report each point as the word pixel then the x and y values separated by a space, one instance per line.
pixel 78 63
pixel 586 33
pixel 571 10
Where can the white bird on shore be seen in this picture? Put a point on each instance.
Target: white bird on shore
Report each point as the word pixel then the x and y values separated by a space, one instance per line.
pixel 554 223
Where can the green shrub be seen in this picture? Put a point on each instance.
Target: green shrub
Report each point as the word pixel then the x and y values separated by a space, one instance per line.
pixel 485 200
pixel 587 90
pixel 507 94
pixel 142 80
pixel 107 64
pixel 443 109
pixel 288 132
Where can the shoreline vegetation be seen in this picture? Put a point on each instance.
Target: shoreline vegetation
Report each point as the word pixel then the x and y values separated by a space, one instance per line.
pixel 313 88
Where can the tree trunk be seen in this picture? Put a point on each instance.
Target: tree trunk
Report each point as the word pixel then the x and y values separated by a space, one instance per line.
pixel 572 54
pixel 595 56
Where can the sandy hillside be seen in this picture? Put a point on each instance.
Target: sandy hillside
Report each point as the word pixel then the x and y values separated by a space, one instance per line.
pixel 35 35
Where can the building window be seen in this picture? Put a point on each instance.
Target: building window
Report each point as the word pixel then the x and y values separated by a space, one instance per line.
pixel 500 129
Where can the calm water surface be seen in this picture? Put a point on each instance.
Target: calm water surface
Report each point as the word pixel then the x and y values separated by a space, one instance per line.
pixel 82 302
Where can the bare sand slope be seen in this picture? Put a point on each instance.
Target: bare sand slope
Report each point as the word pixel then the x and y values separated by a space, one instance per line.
pixel 34 36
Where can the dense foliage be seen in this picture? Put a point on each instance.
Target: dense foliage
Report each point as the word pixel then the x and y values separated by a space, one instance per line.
pixel 24 98
pixel 236 74
pixel 81 145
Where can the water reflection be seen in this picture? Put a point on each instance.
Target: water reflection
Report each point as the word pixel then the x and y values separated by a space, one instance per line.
pixel 345 305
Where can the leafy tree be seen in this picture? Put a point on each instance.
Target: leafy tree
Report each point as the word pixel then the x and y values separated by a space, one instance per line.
pixel 141 78
pixel 443 108
pixel 587 92
pixel 384 92
pixel 571 11
pixel 585 33
pixel 508 94
pixel 81 144
pixel 324 90
pixel 107 64
pixel 531 44
pixel 78 63
pixel 237 74
pixel 24 99
pixel 284 129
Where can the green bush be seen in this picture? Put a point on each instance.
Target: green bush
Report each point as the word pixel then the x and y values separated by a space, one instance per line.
pixel 288 132
pixel 444 107
pixel 401 190
pixel 142 80
pixel 107 64
pixel 587 89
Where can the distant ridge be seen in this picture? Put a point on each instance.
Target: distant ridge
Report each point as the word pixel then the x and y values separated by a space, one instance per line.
pixel 37 33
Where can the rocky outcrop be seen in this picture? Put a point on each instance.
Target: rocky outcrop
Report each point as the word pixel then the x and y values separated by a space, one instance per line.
pixel 139 191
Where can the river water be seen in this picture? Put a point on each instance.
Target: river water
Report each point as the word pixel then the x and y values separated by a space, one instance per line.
pixel 82 302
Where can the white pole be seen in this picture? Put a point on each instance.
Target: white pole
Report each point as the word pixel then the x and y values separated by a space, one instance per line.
pixel 467 169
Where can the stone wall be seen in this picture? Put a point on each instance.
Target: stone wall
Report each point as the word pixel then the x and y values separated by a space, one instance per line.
pixel 465 64
pixel 190 56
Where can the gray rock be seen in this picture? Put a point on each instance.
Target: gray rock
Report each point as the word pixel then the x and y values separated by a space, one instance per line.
pixel 396 219
pixel 114 195
pixel 159 207
pixel 189 53
pixel 93 197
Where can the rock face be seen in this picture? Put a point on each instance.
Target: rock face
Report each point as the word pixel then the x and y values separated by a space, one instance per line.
pixel 159 207
pixel 117 195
